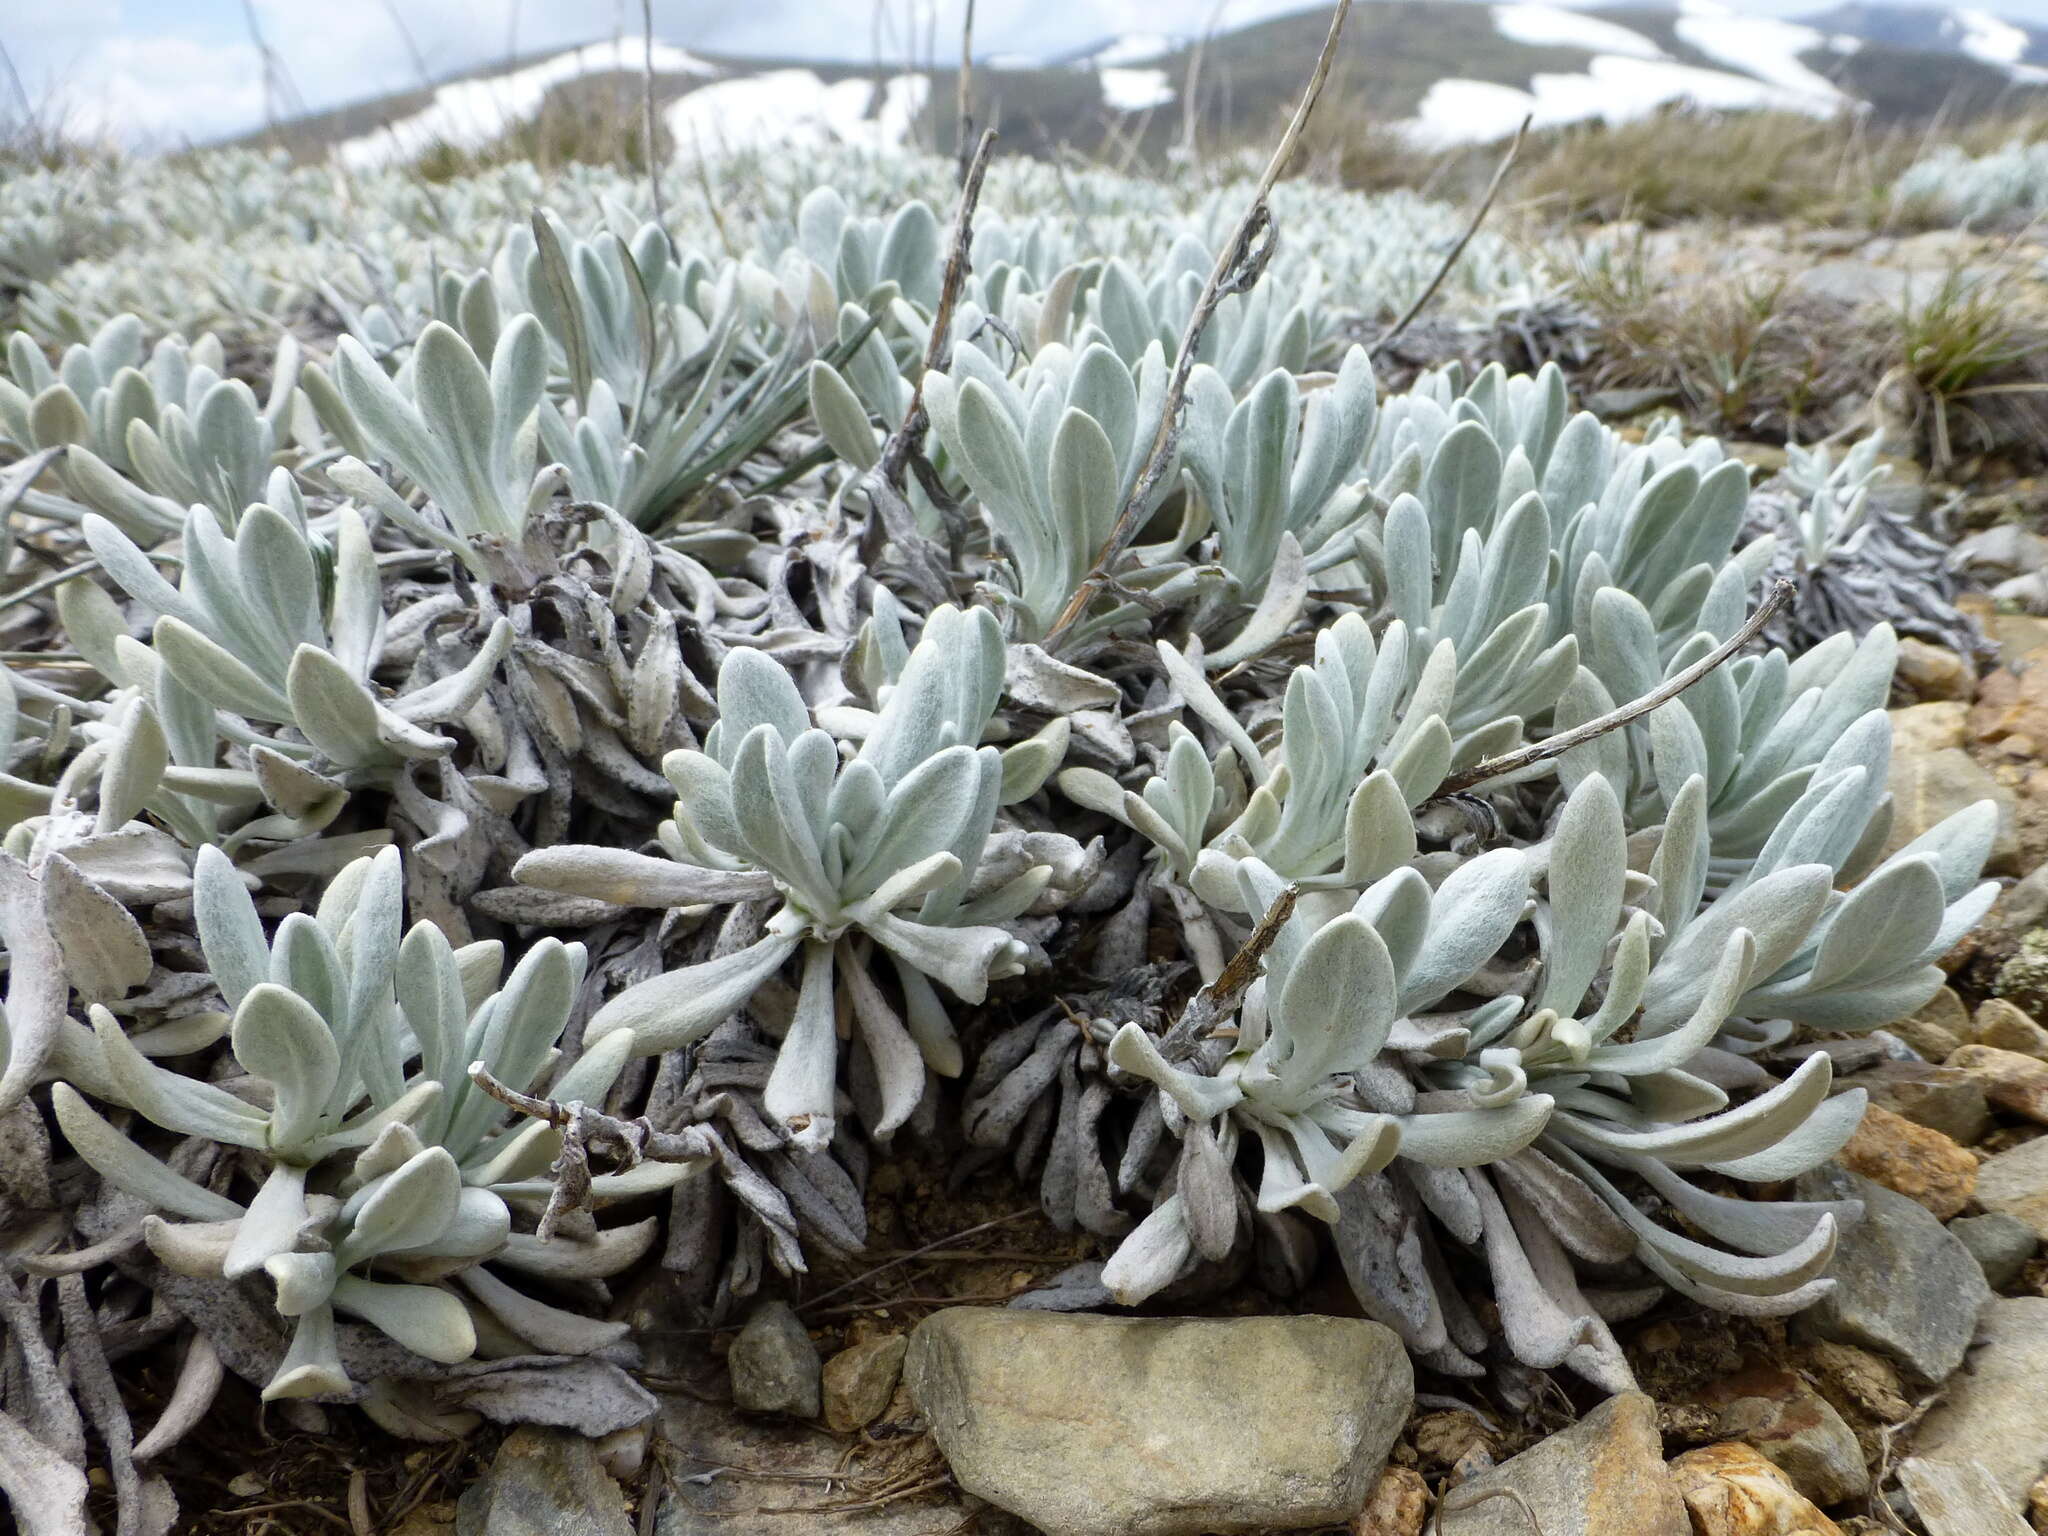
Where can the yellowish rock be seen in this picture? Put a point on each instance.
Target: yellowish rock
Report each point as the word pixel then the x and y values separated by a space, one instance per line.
pixel 1731 1490
pixel 1916 1160
pixel 1398 1505
pixel 1929 785
pixel 1930 727
pixel 2011 1081
pixel 2009 1027
pixel 1935 672
pixel 860 1380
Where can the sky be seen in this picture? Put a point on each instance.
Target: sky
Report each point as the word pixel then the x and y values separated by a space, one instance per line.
pixel 158 73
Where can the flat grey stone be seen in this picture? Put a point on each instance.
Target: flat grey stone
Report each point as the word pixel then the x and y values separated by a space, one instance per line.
pixel 1114 1426
pixel 1996 1411
pixel 774 1364
pixel 1958 1498
pixel 1904 1285
pixel 544 1482
pixel 2015 1184
pixel 1943 1099
pixel 1604 1476
pixel 2000 1244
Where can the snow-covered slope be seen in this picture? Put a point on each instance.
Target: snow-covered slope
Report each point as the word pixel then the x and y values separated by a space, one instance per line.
pixel 1448 73
pixel 1761 46
pixel 794 109
pixel 2015 42
pixel 465 114
pixel 1629 74
pixel 1554 26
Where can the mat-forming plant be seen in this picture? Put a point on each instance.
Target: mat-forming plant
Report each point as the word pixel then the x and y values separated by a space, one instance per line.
pixel 810 711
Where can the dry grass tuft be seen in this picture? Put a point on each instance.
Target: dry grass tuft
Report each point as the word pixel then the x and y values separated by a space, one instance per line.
pixel 595 120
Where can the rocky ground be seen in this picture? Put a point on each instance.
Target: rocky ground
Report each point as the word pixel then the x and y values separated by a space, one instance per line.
pixel 903 1394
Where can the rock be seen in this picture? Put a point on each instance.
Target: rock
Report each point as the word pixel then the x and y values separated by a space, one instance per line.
pixel 2015 1184
pixel 1446 1438
pixel 860 1380
pixel 1957 1498
pixel 2020 908
pixel 1099 1426
pixel 1943 1099
pixel 1855 283
pixel 2012 704
pixel 1934 672
pixel 1930 786
pixel 2001 1244
pixel 546 1482
pixel 1867 1382
pixel 1776 1413
pixel 1398 1505
pixel 1730 1490
pixel 2008 1027
pixel 2011 1081
pixel 1999 553
pixel 2024 977
pixel 1996 1412
pixel 1919 1163
pixel 1604 1476
pixel 1923 728
pixel 774 1364
pixel 1924 1326
pixel 435 1519
pixel 1930 1032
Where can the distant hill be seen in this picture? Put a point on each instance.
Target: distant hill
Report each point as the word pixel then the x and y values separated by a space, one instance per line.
pixel 1445 74
pixel 1964 30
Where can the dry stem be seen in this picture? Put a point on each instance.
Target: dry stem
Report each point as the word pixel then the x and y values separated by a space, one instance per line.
pixel 1238 266
pixel 1663 693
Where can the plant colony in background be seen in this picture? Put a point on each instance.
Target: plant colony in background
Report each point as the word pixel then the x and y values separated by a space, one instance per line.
pixel 538 666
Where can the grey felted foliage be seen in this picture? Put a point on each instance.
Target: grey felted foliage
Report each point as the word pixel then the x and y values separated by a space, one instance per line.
pixel 557 777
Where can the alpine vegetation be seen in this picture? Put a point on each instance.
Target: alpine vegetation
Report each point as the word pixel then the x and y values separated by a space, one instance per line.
pixel 597 727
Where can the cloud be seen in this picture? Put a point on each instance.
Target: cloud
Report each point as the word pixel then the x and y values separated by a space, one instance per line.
pixel 154 92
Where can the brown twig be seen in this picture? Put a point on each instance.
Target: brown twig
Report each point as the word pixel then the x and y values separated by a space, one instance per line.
pixel 943 1242
pixel 908 439
pixel 1500 174
pixel 1451 1504
pixel 1614 719
pixel 1217 1001
pixel 647 105
pixel 1238 266
pixel 963 124
pixel 631 1141
pixel 929 1485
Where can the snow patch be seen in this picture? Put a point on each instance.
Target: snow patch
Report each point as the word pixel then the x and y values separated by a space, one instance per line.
pixel 1552 26
pixel 1135 90
pixel 1456 111
pixel 1615 89
pixel 467 114
pixel 794 109
pixel 1760 46
pixel 1990 38
pixel 1134 48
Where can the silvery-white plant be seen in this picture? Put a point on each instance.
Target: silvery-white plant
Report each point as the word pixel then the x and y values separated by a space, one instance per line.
pixel 880 853
pixel 1276 465
pixel 360 1036
pixel 1052 458
pixel 279 625
pixel 147 436
pixel 465 436
pixel 1362 741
